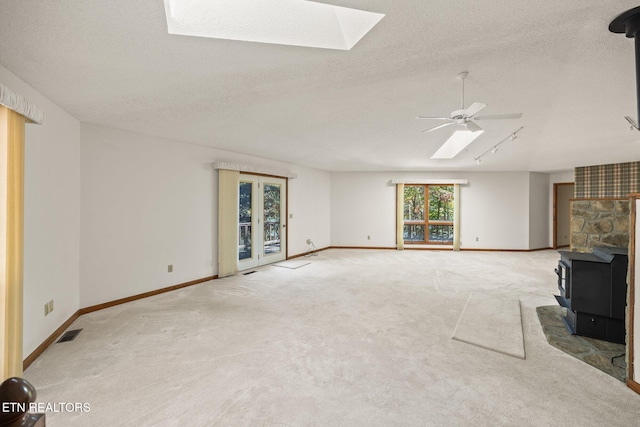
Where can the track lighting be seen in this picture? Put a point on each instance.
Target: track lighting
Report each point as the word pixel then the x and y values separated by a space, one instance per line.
pixel 634 125
pixel 494 149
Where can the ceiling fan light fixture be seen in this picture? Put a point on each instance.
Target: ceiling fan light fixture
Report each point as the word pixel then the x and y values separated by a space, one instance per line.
pixel 456 143
pixel 467 116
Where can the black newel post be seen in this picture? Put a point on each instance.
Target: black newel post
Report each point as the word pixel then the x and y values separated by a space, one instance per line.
pixel 16 394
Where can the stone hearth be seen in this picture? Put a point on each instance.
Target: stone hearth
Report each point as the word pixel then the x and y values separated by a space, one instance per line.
pixel 605 356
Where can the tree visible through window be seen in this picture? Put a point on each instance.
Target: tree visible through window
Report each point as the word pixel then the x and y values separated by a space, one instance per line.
pixel 428 214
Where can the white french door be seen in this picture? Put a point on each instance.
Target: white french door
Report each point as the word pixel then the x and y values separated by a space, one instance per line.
pixel 262 237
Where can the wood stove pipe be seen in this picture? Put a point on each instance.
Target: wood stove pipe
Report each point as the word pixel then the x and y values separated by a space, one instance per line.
pixel 629 24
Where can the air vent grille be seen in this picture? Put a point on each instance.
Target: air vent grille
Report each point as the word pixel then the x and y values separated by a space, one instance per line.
pixel 69 335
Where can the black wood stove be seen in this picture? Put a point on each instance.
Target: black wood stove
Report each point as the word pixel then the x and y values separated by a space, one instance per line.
pixel 593 288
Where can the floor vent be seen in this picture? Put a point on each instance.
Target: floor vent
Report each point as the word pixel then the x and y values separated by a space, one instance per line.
pixel 69 335
pixel 249 272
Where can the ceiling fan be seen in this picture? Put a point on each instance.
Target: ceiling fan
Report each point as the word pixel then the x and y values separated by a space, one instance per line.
pixel 466 117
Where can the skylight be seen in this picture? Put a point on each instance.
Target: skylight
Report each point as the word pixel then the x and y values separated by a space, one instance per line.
pixel 456 143
pixel 288 22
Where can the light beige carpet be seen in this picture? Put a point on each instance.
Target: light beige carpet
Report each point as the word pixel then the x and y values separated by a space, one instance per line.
pixel 356 338
pixel 293 263
pixel 492 322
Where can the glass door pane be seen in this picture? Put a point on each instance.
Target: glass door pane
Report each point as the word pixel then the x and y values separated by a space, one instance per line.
pixel 414 202
pixel 272 218
pixel 262 215
pixel 441 202
pixel 245 220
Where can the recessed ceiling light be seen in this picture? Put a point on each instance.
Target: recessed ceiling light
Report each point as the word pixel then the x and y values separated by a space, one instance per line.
pixel 288 22
pixel 456 143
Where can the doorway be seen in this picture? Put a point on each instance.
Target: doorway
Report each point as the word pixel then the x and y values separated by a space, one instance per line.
pixel 262 237
pixel 562 195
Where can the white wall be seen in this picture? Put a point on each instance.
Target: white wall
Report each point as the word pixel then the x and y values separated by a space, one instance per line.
pixel 539 219
pixel 362 205
pixel 309 202
pixel 148 202
pixel 561 177
pixel 52 213
pixel 494 208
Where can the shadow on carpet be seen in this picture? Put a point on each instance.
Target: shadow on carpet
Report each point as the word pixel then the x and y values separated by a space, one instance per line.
pixel 606 356
pixel 492 322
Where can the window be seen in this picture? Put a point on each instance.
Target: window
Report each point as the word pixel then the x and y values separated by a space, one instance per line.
pixel 428 214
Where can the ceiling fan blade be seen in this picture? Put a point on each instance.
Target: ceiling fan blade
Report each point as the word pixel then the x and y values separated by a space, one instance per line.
pixel 474 109
pixel 473 127
pixel 499 116
pixel 440 126
pixel 434 118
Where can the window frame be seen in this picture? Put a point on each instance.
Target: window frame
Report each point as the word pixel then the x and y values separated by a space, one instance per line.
pixel 426 222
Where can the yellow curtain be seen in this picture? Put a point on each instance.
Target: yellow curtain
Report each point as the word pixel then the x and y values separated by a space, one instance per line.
pixel 399 216
pixel 11 240
pixel 456 217
pixel 228 182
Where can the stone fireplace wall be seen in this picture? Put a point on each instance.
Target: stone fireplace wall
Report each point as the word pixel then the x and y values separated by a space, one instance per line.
pixel 600 210
pixel 599 222
pixel 600 214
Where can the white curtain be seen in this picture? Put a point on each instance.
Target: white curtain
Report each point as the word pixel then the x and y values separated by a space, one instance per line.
pixel 399 216
pixel 20 105
pixel 456 217
pixel 228 182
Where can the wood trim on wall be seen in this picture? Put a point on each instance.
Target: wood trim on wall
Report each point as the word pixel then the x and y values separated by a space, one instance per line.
pixel 439 249
pixel 143 295
pixel 506 250
pixel 42 347
pixel 598 198
pixel 52 338
pixel 631 295
pixel 363 247
pixel 555 211
pixel 315 251
pixel 286 219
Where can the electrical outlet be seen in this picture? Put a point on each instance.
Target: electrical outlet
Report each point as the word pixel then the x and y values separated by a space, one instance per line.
pixel 368 237
pixel 46 308
pixel 50 306
pixel 477 239
pixel 170 268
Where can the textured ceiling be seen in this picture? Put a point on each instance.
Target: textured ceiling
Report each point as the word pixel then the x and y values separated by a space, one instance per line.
pixel 113 63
